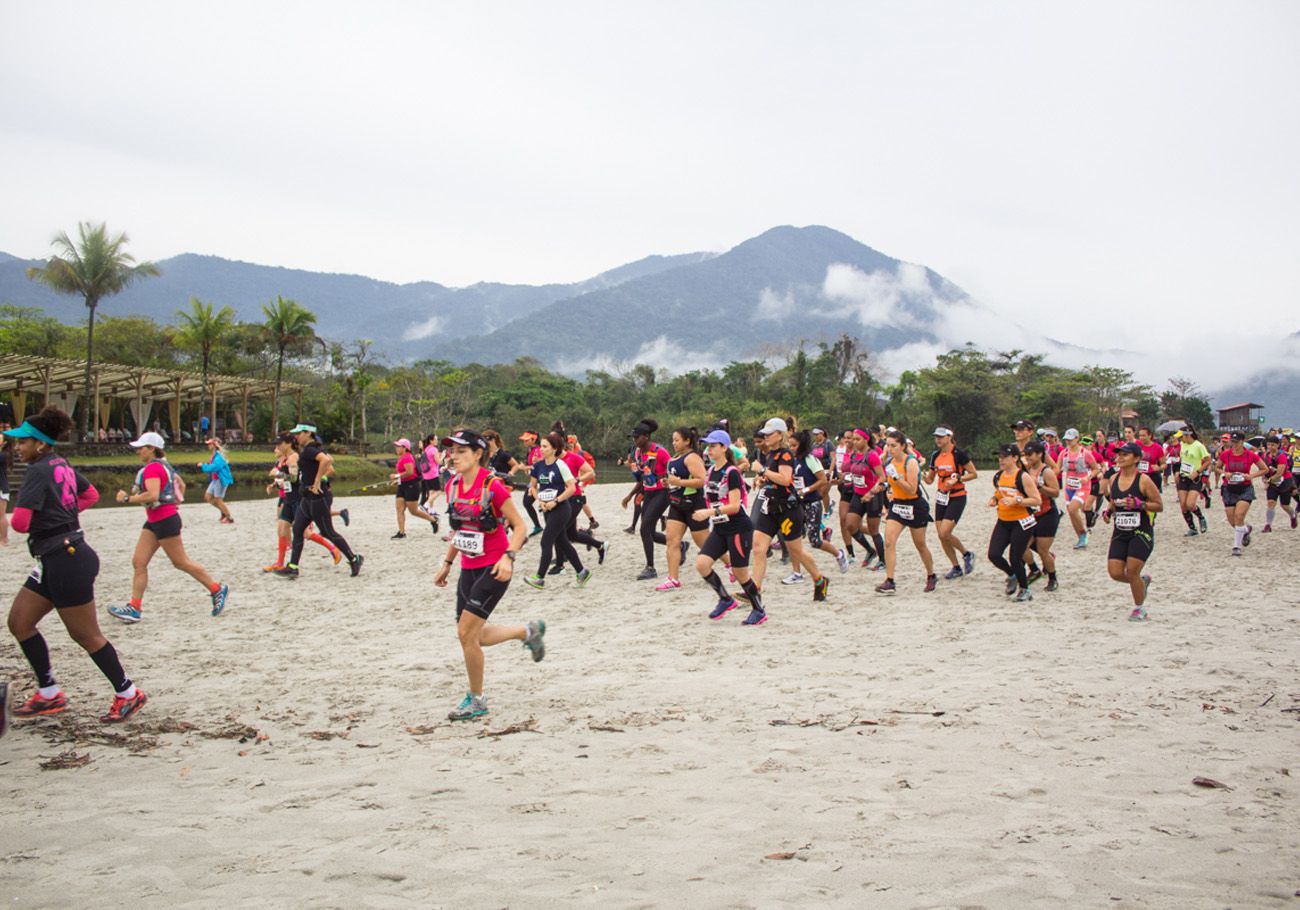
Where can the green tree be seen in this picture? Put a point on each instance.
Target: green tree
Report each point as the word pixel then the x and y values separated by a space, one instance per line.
pixel 27 330
pixel 287 323
pixel 200 330
pixel 95 267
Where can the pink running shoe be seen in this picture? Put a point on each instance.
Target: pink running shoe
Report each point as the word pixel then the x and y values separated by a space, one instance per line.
pixel 668 584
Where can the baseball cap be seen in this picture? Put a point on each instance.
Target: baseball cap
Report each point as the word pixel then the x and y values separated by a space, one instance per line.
pixel 941 431
pixel 302 428
pixel 774 425
pixel 1022 425
pixel 403 442
pixel 1086 440
pixel 527 436
pixel 1130 448
pixel 1035 445
pixel 1008 449
pixel 640 429
pixel 464 438
pixel 149 439
pixel 1237 434
pixel 1071 433
pixel 721 437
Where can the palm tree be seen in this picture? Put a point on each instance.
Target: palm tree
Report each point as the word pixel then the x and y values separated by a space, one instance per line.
pixel 200 331
pixel 287 322
pixel 96 267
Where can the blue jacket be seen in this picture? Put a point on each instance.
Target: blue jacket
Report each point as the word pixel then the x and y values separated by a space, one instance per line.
pixel 219 467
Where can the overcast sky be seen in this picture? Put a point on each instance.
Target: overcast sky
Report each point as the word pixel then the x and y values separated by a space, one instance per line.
pixel 1129 161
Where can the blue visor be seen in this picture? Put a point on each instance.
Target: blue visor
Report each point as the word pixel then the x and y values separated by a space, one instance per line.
pixel 26 430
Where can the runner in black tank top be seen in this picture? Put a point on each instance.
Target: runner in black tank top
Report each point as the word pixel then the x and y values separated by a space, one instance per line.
pixel 1133 497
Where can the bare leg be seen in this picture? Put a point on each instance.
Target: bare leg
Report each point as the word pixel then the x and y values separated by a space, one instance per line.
pixel 175 551
pixel 145 547
pixel 918 540
pixel 475 634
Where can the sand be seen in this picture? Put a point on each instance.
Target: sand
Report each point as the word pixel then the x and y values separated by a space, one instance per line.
pixel 943 750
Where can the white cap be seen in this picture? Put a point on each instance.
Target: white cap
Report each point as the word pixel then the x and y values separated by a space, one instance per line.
pixel 775 425
pixel 150 439
pixel 1071 433
pixel 941 431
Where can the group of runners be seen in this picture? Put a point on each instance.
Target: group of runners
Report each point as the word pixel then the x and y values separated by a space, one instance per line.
pixel 798 488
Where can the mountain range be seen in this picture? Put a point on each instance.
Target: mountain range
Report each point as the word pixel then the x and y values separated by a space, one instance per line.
pixel 697 310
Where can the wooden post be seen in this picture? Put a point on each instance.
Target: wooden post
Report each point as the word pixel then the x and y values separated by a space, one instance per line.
pixel 213 416
pixel 95 427
pixel 243 415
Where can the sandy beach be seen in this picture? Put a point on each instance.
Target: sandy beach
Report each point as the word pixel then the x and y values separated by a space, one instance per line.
pixel 943 750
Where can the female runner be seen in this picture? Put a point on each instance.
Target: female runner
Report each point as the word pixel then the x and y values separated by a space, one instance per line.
pixel 220 479
pixel 731 532
pixel 685 479
pixel 428 465
pixel 1240 466
pixel 531 457
pixel 907 509
pixel 409 484
pixel 1281 483
pixel 52 496
pixel 1016 498
pixel 950 469
pixel 478 504
pixel 777 511
pixel 1193 465
pixel 553 486
pixel 158 488
pixel 1047 517
pixel 811 482
pixel 283 480
pixel 4 484
pixel 1078 469
pixel 650 463
pixel 1134 498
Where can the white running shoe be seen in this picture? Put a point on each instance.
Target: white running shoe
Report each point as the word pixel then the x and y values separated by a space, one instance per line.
pixel 793 578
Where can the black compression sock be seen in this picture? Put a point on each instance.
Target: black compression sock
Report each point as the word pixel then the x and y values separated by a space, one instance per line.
pixel 1198 514
pixel 1092 518
pixel 866 544
pixel 106 659
pixel 38 655
pixel 754 597
pixel 1187 517
pixel 880 544
pixel 715 582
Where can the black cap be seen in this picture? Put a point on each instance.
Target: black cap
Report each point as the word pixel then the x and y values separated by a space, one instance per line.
pixel 1237 434
pixel 1022 425
pixel 639 430
pixel 1130 448
pixel 1008 449
pixel 1035 445
pixel 464 438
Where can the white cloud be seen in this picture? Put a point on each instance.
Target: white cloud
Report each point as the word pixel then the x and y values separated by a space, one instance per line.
pixel 774 306
pixel 661 354
pixel 419 331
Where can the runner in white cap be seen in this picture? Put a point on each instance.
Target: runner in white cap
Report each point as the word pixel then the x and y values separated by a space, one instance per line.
pixel 950 469
pixel 409 489
pixel 1077 468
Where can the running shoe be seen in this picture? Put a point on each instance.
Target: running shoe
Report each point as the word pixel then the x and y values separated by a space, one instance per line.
pixel 128 613
pixel 604 550
pixel 357 560
pixel 1051 584
pixel 668 584
pixel 756 617
pixel 282 572
pixel 1146 586
pixel 535 531
pixel 685 546
pixel 731 574
pixel 37 706
pixel 1192 532
pixel 343 513
pixel 826 532
pixel 594 525
pixel 1205 528
pixel 820 587
pixel 122 708
pixel 627 530
pixel 954 572
pixel 724 607
pixel 400 535
pixel 1267 529
pixel 1245 541
pixel 469 708
pixel 968 562
pixel 1236 551
pixel 1082 542
pixel 1294 521
pixel 887 587
pixel 1139 614
pixel 1011 585
pixel 931 582
pixel 582 578
pixel 434 523
pixel 336 554
pixel 792 579
pixel 1033 576
pixel 557 569
pixel 647 573
pixel 867 561
pixel 1024 594
pixel 842 561
pixel 271 568
pixel 535 581
pixel 219 599
pixel 533 640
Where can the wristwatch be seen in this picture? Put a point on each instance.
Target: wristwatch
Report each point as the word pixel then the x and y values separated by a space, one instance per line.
pixel 512 554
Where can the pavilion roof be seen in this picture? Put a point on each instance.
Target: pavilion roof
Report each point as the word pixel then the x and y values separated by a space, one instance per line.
pixel 31 374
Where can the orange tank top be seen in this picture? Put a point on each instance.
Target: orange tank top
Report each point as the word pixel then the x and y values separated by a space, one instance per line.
pixel 895 490
pixel 1006 492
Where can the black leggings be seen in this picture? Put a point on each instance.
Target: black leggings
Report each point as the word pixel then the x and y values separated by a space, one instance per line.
pixel 532 513
pixel 555 541
pixel 652 509
pixel 586 538
pixel 1010 534
pixel 316 510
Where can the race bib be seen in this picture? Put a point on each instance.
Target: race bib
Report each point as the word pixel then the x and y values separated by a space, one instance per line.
pixel 902 511
pixel 799 484
pixel 762 501
pixel 941 498
pixel 1028 522
pixel 38 572
pixel 1236 478
pixel 547 495
pixel 1185 470
pixel 891 471
pixel 1073 483
pixel 1144 467
pixel 1128 521
pixel 715 520
pixel 469 542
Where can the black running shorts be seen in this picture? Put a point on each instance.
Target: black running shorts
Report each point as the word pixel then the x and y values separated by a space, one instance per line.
pixel 1235 493
pixel 1130 545
pixel 65 579
pixel 681 512
pixel 951 510
pixel 1047 525
pixel 478 592
pixel 786 525
pixel 915 513
pixel 165 527
pixel 734 538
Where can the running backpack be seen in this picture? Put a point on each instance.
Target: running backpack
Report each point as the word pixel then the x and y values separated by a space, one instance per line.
pixel 173 491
